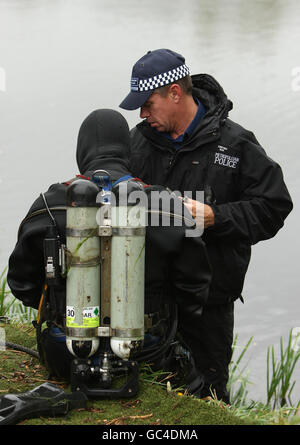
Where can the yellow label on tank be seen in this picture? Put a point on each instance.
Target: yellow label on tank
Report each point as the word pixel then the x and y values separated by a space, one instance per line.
pixel 90 317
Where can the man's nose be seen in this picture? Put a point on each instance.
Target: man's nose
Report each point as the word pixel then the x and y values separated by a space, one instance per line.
pixel 144 113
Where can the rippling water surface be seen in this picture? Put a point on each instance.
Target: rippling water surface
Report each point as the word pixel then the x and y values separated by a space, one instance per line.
pixel 59 60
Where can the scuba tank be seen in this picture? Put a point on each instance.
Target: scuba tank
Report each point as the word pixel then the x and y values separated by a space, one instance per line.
pixel 127 277
pixel 105 255
pixel 104 260
pixel 83 269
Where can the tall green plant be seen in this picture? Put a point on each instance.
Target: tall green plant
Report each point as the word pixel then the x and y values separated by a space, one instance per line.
pixel 280 372
pixel 10 306
pixel 237 375
pixel 5 303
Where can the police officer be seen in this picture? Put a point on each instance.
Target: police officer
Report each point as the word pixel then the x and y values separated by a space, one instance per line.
pixel 187 142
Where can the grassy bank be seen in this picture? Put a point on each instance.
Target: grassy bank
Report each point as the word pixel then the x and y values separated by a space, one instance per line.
pixel 155 404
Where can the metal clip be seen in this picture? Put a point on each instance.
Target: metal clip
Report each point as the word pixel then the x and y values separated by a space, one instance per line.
pixel 104 331
pixel 50 269
pixel 105 231
pixel 62 258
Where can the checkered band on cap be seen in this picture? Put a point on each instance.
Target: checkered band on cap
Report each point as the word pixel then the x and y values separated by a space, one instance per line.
pixel 160 79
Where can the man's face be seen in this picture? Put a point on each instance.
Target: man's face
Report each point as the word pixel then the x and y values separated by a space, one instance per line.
pixel 159 112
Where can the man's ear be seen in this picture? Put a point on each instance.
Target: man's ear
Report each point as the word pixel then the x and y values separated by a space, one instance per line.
pixel 175 92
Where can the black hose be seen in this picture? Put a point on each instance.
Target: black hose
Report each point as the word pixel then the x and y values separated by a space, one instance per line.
pixel 16 347
pixel 159 350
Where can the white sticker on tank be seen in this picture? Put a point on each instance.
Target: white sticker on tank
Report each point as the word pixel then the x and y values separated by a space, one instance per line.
pixel 90 317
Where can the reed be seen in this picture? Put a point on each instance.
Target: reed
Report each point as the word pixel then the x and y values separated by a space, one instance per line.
pixel 238 377
pixel 280 383
pixel 5 302
pixel 11 307
pixel 279 407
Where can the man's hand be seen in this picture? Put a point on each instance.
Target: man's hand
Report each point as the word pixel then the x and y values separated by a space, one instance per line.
pixel 202 213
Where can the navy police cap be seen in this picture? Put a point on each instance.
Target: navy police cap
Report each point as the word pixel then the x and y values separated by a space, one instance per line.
pixel 154 70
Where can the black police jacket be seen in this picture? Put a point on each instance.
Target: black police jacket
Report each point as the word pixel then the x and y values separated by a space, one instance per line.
pixel 244 187
pixel 176 265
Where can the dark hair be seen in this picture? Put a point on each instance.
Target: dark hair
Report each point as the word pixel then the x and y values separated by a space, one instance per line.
pixel 185 83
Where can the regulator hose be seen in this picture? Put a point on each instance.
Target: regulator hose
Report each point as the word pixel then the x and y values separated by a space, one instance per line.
pixel 16 347
pixel 157 351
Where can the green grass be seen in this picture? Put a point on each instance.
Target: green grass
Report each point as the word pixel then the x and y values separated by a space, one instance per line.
pixel 154 404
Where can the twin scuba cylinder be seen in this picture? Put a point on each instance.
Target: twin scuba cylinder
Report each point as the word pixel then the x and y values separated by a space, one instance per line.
pixel 105 251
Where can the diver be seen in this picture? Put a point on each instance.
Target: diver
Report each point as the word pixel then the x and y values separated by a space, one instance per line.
pixel 177 270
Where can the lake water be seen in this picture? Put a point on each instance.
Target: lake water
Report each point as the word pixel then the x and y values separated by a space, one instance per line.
pixel 61 59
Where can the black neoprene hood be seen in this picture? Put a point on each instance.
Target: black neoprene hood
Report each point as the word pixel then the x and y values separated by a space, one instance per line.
pixel 104 140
